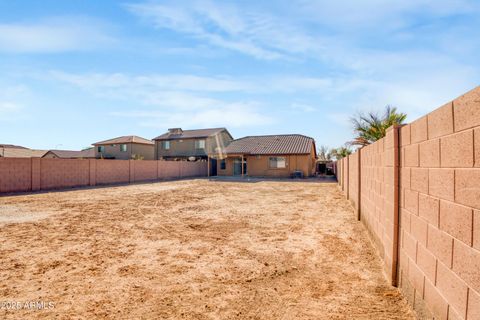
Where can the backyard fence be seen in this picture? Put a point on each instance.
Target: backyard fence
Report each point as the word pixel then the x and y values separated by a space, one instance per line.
pixel 34 174
pixel 417 191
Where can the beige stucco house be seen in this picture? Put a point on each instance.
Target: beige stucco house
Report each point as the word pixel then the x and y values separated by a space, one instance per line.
pixel 70 154
pixel 268 156
pixel 125 148
pixel 193 145
pixel 13 151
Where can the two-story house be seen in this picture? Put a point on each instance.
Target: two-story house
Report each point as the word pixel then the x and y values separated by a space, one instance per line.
pixel 192 145
pixel 125 148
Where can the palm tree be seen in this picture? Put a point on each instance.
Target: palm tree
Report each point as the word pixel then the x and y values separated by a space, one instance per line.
pixel 341 152
pixel 371 127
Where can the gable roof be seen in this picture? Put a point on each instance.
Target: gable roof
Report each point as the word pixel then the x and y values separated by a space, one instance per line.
pixel 70 154
pixel 11 146
pixel 125 139
pixel 21 153
pixel 189 134
pixel 272 144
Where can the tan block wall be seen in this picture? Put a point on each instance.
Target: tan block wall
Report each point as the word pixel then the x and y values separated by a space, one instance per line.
pixel 169 169
pixel 379 197
pixel 15 174
pixel 63 174
pixel 421 185
pixel 33 174
pixel 112 171
pixel 439 205
pixel 354 180
pixel 144 170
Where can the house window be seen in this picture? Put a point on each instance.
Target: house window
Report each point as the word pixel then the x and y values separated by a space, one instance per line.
pixel 101 149
pixel 277 162
pixel 199 144
pixel 123 148
pixel 223 164
pixel 166 145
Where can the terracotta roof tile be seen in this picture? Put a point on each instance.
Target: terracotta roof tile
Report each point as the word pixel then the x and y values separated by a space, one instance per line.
pixel 273 144
pixel 185 134
pixel 125 139
pixel 21 153
pixel 70 154
pixel 11 146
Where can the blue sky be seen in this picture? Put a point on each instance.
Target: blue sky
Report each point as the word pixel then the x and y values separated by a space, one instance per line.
pixel 76 72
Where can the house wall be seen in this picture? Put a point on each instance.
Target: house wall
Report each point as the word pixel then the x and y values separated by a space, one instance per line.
pixel 34 174
pixel 145 150
pixel 186 147
pixel 420 201
pixel 113 151
pixel 259 166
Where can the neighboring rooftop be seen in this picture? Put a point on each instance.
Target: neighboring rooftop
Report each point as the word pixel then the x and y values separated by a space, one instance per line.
pixel 272 144
pixel 21 153
pixel 11 146
pixel 125 139
pixel 178 133
pixel 71 154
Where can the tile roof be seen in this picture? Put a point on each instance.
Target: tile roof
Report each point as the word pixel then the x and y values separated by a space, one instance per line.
pixel 273 144
pixel 125 139
pixel 71 154
pixel 21 153
pixel 185 134
pixel 11 146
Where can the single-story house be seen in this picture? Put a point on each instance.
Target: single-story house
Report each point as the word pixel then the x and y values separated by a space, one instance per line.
pixel 268 156
pixel 125 148
pixel 71 154
pixel 13 151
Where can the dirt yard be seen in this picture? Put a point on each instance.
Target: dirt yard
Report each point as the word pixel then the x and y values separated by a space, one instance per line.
pixel 194 249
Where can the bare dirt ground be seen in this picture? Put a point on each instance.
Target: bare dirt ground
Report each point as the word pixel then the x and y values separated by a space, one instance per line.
pixel 193 249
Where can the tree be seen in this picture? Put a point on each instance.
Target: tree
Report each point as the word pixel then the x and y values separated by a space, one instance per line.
pixel 371 127
pixel 324 153
pixel 341 152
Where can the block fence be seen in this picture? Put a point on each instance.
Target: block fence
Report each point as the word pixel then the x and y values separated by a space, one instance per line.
pixel 35 174
pixel 417 191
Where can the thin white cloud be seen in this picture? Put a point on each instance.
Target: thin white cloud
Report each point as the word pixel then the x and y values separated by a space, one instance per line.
pixel 217 114
pixel 228 26
pixel 173 100
pixel 172 82
pixel 109 83
pixel 9 110
pixel 372 13
pixel 54 35
pixel 302 107
pixel 342 119
pixel 10 101
pixel 414 95
pixel 7 106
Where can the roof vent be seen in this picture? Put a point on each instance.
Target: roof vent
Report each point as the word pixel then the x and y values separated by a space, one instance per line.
pixel 175 130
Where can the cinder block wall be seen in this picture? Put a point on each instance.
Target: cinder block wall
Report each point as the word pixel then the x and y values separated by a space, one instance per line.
pixel 420 201
pixel 33 174
pixel 440 210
